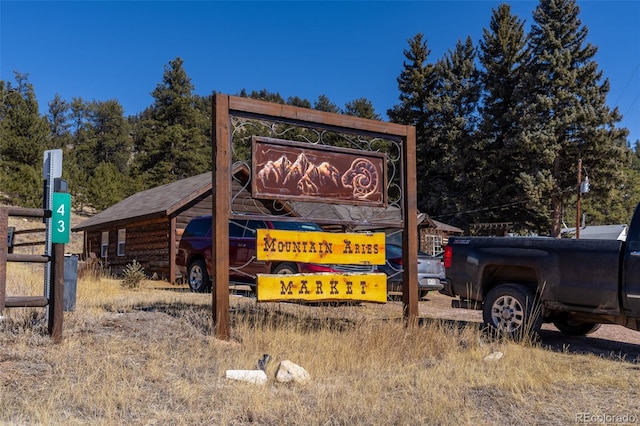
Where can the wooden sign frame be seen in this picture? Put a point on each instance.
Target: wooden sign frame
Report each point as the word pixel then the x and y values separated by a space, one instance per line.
pixel 224 108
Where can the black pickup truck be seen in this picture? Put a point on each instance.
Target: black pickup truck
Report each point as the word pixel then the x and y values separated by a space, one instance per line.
pixel 521 282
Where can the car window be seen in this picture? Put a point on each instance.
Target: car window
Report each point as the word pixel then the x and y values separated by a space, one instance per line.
pixel 198 227
pixel 393 251
pixel 252 225
pixel 296 226
pixel 236 229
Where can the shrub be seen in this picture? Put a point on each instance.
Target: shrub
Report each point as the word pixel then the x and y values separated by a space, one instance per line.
pixel 133 274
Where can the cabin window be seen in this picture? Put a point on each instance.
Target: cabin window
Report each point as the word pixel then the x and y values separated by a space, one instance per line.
pixel 104 245
pixel 433 244
pixel 122 236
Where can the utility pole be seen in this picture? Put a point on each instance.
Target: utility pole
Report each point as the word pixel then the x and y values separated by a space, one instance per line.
pixel 583 188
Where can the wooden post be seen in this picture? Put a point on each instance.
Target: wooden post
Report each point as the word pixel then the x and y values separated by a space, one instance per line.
pixel 173 240
pixel 221 213
pixel 4 225
pixel 56 299
pixel 410 234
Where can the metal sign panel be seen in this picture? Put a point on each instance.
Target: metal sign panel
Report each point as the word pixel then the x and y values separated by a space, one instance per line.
pixel 60 218
pixel 10 231
pixel 321 173
pixel 321 247
pixel 52 164
pixel 322 287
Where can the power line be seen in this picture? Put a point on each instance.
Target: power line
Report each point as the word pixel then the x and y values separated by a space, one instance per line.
pixel 499 207
pixel 632 103
pixel 627 84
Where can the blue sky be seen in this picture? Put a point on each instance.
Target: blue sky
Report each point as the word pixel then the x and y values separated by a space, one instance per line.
pixel 102 50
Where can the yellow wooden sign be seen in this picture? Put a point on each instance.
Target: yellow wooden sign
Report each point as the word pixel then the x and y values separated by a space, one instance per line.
pixel 322 287
pixel 321 247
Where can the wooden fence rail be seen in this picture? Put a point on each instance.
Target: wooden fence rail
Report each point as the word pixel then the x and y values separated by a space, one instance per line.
pixel 56 288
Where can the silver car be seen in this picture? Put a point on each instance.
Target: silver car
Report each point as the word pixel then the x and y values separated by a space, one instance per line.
pixel 430 271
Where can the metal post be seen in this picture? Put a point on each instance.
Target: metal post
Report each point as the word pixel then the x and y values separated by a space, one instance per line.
pixel 51 169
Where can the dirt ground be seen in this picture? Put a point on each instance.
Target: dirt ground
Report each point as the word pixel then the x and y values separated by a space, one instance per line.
pixel 609 340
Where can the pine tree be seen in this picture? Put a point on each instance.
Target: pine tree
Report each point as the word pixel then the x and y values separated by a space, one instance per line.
pixel 564 116
pixel 59 125
pixel 24 131
pixel 110 131
pixel 24 136
pixel 501 54
pixel 107 186
pixel 362 108
pixel 324 104
pixel 263 95
pixel 418 92
pixel 298 102
pixel 458 167
pixel 172 142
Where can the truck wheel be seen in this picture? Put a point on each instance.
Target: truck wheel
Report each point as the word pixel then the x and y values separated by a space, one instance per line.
pixel 509 310
pixel 573 327
pixel 285 268
pixel 198 277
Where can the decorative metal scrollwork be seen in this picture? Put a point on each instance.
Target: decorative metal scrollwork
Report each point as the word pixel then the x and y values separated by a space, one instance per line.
pixel 359 176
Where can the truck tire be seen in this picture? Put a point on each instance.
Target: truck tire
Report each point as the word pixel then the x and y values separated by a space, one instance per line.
pixel 285 268
pixel 509 310
pixel 573 327
pixel 198 277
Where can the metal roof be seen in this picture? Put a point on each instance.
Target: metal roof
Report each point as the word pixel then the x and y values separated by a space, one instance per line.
pixel 600 232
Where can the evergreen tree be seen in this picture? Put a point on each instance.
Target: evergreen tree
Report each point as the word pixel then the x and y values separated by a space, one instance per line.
pixel 107 186
pixel 324 104
pixel 418 96
pixel 263 95
pixel 172 142
pixel 362 108
pixel 110 135
pixel 440 100
pixel 59 125
pixel 298 102
pixel 24 136
pixel 564 116
pixel 459 163
pixel 22 184
pixel 81 141
pixel 501 54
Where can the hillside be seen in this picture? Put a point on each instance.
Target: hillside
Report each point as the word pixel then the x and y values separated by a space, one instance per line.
pixel 75 245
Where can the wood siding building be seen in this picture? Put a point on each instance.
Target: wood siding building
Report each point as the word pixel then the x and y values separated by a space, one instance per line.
pixel 434 235
pixel 147 226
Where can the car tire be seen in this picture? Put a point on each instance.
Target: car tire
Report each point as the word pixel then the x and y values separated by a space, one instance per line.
pixel 511 311
pixel 573 327
pixel 285 268
pixel 198 277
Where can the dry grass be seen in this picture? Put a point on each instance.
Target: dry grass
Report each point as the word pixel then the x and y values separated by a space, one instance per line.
pixel 148 356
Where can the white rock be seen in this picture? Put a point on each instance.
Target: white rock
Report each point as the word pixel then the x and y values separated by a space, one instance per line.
pixel 493 356
pixel 258 377
pixel 290 372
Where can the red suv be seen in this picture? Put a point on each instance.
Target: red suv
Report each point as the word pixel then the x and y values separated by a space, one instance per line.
pixel 193 259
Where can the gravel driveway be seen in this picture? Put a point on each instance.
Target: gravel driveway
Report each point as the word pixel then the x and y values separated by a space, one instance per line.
pixel 613 341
